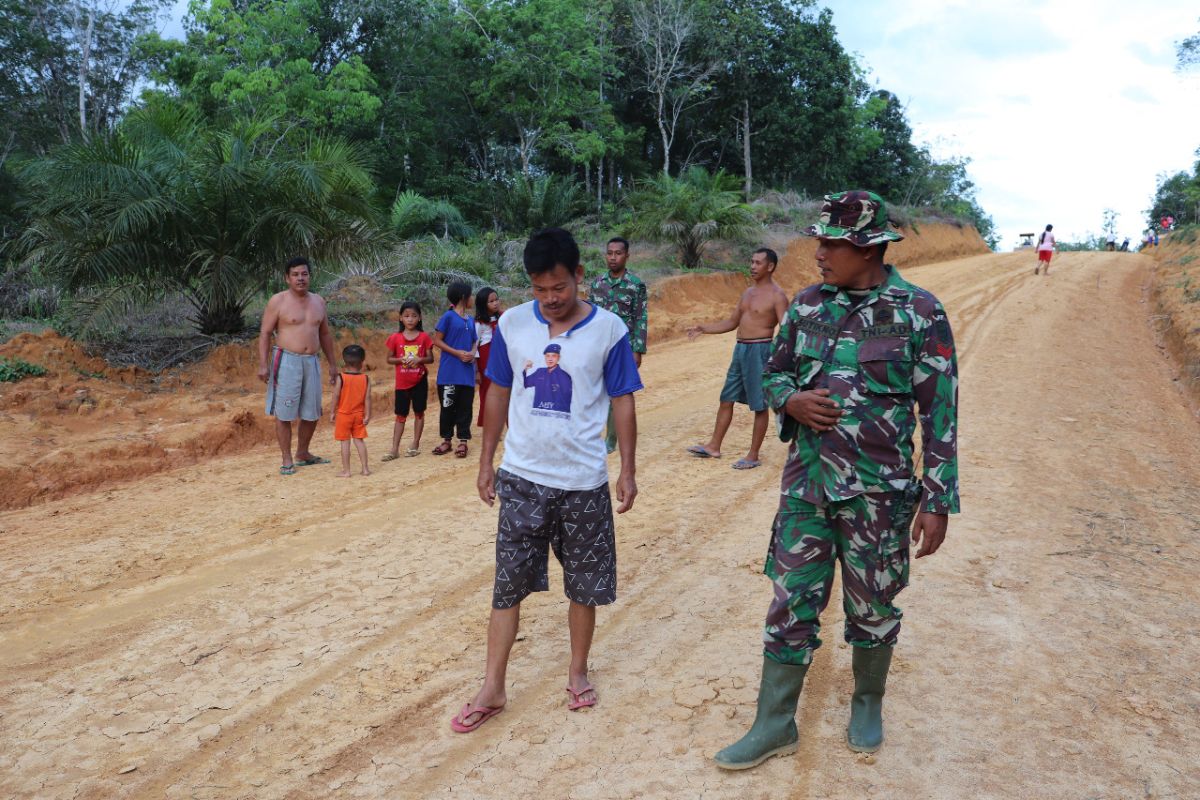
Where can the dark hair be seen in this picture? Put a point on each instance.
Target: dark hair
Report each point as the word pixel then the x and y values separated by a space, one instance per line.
pixel 481 300
pixel 1049 227
pixel 354 354
pixel 549 248
pixel 415 306
pixel 457 291
pixel 298 261
pixel 619 240
pixel 771 255
pixel 882 250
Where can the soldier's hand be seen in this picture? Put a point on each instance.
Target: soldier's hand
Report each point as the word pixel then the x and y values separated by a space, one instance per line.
pixel 815 409
pixel 929 532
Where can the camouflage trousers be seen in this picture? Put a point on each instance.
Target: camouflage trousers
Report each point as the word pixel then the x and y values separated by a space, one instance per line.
pixel 869 536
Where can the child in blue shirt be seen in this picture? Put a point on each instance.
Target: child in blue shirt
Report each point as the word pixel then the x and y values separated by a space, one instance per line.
pixel 455 336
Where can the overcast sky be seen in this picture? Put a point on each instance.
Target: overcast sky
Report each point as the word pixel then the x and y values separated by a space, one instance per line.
pixel 1065 108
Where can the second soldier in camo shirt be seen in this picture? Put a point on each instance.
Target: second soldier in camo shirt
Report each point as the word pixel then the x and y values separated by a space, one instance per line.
pixel 854 355
pixel 620 291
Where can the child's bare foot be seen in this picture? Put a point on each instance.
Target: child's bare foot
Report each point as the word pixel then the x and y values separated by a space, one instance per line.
pixel 365 472
pixel 345 474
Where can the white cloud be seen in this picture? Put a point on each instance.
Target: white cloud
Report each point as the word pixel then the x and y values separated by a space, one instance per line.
pixel 1064 108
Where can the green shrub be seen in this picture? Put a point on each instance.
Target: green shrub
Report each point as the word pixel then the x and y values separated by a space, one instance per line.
pixel 13 370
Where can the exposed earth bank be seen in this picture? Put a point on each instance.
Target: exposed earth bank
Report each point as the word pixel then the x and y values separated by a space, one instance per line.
pixel 86 425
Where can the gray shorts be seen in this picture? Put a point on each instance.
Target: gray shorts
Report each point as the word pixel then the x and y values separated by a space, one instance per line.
pixel 576 525
pixel 743 382
pixel 294 386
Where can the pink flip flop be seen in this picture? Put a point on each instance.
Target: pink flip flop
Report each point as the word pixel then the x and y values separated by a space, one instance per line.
pixel 575 703
pixel 459 724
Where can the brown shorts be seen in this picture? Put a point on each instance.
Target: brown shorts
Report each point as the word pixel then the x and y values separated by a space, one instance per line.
pixel 576 525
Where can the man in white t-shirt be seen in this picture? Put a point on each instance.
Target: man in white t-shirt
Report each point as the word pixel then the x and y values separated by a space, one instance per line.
pixel 1045 249
pixel 553 479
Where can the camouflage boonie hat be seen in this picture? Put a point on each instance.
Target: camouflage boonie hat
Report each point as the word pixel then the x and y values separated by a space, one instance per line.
pixel 859 217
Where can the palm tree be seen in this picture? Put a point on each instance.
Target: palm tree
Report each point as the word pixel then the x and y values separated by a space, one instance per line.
pixel 691 211
pixel 169 203
pixel 525 204
pixel 414 215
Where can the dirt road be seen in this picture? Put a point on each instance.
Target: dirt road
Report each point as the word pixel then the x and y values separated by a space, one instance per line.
pixel 220 632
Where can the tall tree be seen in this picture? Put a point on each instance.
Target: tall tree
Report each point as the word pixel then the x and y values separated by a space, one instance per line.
pixel 662 31
pixel 68 68
pixel 266 58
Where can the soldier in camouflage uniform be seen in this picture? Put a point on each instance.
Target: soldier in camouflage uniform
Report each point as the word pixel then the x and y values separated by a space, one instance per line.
pixel 853 355
pixel 624 294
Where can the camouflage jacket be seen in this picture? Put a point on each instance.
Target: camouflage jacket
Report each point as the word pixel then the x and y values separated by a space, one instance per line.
pixel 877 357
pixel 627 298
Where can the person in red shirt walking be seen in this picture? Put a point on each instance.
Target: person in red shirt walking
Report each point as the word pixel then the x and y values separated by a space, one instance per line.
pixel 410 349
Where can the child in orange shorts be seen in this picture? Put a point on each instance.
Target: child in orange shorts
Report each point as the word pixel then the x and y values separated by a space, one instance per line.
pixel 352 408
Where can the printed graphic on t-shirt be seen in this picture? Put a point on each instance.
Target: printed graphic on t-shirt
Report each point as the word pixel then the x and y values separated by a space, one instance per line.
pixel 551 385
pixel 412 351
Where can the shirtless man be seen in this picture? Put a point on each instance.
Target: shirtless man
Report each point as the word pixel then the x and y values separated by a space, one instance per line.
pixel 291 368
pixel 760 309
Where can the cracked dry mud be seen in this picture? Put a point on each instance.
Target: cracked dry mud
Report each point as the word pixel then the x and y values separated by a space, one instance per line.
pixel 220 632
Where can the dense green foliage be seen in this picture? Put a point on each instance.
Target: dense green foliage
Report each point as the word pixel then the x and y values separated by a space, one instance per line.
pixel 451 119
pixel 691 211
pixel 1177 196
pixel 13 370
pixel 169 203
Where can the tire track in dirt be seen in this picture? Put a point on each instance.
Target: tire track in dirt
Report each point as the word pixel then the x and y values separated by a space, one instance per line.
pixel 329 667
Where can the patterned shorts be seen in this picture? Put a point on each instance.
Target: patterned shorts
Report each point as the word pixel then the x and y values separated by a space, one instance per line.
pixel 576 525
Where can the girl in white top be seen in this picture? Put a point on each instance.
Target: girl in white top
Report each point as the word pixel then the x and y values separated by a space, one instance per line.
pixel 487 315
pixel 1045 249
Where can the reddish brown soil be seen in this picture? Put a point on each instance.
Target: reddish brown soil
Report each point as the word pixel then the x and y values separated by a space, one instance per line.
pixel 86 426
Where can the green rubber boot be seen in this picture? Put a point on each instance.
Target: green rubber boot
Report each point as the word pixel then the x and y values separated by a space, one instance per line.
pixel 865 732
pixel 774 731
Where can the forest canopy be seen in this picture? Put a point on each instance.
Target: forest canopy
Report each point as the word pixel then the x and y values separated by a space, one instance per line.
pixel 456 109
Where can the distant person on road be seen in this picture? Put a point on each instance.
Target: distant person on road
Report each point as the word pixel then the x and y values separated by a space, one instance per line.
pixel 759 310
pixel 290 368
pixel 1112 242
pixel 1045 249
pixel 853 355
pixel 1125 245
pixel 553 479
pixel 352 408
pixel 620 291
pixel 410 350
pixel 455 337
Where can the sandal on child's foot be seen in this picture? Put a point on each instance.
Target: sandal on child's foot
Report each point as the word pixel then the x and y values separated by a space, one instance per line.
pixel 443 448
pixel 461 450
